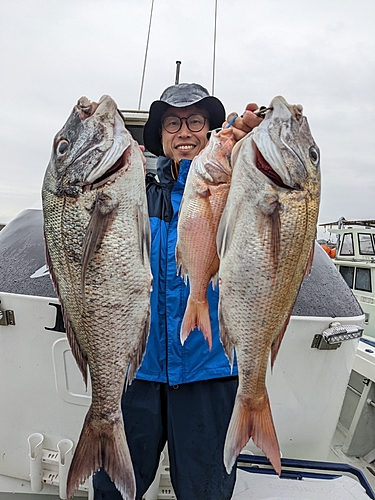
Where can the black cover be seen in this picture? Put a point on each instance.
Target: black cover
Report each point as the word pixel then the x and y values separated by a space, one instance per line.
pixel 22 254
pixel 324 293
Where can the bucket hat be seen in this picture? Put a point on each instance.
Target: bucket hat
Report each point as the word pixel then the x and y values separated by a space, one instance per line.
pixel 179 96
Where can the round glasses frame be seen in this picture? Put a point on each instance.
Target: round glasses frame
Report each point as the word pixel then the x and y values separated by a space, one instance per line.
pixel 193 127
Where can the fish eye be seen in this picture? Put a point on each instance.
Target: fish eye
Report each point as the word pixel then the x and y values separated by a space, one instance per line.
pixel 62 147
pixel 314 155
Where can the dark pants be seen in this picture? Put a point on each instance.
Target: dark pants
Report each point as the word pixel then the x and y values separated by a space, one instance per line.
pixel 193 418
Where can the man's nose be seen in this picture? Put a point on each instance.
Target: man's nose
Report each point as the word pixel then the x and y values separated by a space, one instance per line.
pixel 184 130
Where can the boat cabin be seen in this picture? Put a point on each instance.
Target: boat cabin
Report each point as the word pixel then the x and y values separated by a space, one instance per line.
pixel 355 260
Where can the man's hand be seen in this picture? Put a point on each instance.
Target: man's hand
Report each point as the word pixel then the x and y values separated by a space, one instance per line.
pixel 245 123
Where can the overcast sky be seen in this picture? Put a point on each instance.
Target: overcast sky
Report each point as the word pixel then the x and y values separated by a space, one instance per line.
pixel 319 53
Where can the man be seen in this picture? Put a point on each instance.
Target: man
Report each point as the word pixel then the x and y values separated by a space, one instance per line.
pixel 182 395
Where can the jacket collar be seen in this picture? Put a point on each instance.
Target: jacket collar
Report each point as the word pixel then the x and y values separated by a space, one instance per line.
pixel 164 168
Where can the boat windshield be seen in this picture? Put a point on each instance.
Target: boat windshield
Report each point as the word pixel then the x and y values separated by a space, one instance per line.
pixel 347 247
pixel 366 244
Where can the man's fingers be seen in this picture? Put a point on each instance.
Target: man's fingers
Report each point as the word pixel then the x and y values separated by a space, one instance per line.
pixel 250 120
pixel 245 123
pixel 252 106
pixel 230 119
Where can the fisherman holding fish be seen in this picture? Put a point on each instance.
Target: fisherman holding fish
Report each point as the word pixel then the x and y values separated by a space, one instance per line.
pixel 183 393
pixel 130 318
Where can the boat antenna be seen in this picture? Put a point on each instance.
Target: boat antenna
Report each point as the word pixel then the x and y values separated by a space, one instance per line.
pixel 145 59
pixel 214 54
pixel 178 65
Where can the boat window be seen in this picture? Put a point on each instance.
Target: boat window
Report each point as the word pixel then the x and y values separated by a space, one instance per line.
pixel 366 245
pixel 363 279
pixel 347 247
pixel 348 274
pixel 137 132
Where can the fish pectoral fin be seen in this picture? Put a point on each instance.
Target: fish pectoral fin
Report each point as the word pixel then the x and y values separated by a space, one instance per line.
pixel 251 419
pixel 275 236
pixel 203 192
pixel 269 225
pixel 143 233
pixel 103 214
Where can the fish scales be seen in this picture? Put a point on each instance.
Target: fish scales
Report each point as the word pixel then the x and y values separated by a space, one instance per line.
pixel 265 242
pixel 204 199
pixel 97 241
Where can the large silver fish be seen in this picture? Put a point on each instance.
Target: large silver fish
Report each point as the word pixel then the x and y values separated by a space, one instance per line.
pixel 265 243
pixel 97 246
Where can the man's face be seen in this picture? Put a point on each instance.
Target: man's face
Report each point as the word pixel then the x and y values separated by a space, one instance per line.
pixel 184 144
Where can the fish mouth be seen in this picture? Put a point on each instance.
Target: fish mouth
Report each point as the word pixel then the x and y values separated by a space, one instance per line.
pixel 112 172
pixel 114 158
pixel 266 169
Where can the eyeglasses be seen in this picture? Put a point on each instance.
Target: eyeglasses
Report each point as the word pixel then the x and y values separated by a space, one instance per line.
pixel 194 123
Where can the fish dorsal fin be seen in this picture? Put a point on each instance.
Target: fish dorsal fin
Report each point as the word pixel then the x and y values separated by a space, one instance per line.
pixel 80 358
pixel 275 229
pixel 102 215
pixel 143 233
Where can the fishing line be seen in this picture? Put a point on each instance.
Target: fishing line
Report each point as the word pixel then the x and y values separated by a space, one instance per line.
pixel 214 54
pixel 145 59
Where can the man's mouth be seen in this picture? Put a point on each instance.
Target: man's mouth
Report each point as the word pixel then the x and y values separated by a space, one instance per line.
pixel 185 147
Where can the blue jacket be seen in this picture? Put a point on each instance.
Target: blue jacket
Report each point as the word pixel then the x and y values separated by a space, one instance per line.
pixel 166 360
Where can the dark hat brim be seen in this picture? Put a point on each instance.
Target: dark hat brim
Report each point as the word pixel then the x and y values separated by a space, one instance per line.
pixel 152 128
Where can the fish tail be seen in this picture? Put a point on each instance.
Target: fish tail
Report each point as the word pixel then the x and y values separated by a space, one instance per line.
pixel 254 421
pixel 197 315
pixel 102 446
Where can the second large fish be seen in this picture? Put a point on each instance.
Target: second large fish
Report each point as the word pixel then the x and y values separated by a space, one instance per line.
pixel 204 199
pixel 265 240
pixel 97 239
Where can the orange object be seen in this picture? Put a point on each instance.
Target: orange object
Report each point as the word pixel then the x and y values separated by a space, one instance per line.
pixel 332 253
